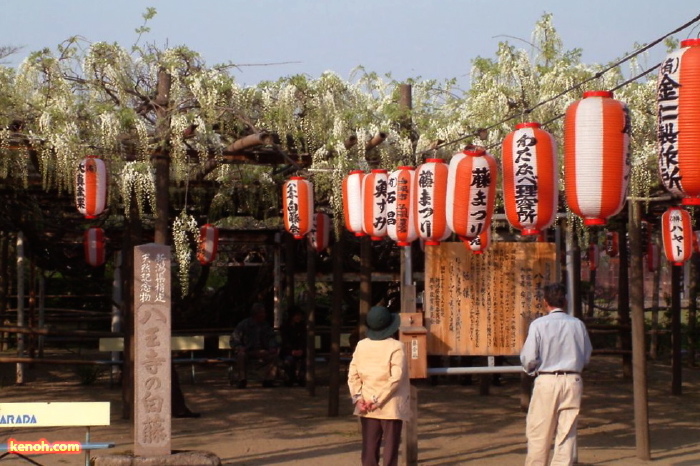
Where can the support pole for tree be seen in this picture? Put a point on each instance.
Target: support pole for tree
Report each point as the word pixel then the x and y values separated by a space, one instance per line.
pixel 676 366
pixel 336 321
pixel 639 362
pixel 311 320
pixel 573 271
pixel 20 305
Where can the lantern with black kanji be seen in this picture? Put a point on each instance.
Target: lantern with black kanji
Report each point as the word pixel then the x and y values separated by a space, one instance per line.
pixel 320 232
pixel 471 190
pixel 530 178
pixel 593 256
pixel 430 213
pixel 478 244
pixel 91 186
pixel 677 235
pixel 399 199
pixel 678 129
pixel 352 201
pixel 298 206
pixel 94 245
pixel 596 156
pixel 374 189
pixel 612 243
pixel 208 244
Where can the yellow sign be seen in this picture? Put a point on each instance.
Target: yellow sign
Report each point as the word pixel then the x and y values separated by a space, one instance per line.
pixel 52 414
pixel 481 304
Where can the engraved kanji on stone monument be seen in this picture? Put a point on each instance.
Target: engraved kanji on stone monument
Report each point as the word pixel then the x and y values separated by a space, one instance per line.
pixel 152 350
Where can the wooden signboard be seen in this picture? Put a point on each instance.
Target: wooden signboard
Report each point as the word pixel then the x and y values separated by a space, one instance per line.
pixel 481 304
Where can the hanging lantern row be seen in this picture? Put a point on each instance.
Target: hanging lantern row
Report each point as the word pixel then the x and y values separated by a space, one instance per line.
pixel 298 206
pixel 94 245
pixel 319 235
pixel 678 129
pixel 596 156
pixel 530 174
pixel 208 244
pixel 91 187
pixel 677 235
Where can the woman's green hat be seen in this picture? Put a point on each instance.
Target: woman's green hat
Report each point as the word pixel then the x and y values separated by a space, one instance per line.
pixel 381 323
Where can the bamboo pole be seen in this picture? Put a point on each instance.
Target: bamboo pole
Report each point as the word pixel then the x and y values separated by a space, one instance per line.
pixel 249 141
pixel 639 364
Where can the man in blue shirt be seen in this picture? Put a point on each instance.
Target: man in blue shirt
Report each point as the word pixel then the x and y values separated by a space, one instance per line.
pixel 556 350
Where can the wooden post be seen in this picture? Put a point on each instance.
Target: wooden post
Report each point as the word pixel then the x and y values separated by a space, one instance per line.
pixel 654 345
pixel 162 159
pixel 676 366
pixel 289 252
pixel 311 320
pixel 573 271
pixel 4 285
pixel 591 294
pixel 336 321
pixel 623 304
pixel 639 363
pixel 42 311
pixel 365 282
pixel 277 282
pixel 20 305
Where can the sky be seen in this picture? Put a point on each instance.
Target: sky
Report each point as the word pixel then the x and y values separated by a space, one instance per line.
pixel 431 39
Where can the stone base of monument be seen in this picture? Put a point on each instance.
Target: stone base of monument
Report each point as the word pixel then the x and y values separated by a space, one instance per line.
pixel 181 458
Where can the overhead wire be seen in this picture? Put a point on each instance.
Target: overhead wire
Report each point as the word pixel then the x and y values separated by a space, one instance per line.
pixel 597 75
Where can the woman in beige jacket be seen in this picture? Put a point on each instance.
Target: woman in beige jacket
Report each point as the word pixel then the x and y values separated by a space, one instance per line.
pixel 380 388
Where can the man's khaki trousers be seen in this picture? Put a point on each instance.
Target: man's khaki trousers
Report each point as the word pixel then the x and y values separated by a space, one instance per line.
pixel 554 408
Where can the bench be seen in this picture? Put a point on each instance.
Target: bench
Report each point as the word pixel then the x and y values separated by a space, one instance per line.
pixel 177 343
pixel 55 414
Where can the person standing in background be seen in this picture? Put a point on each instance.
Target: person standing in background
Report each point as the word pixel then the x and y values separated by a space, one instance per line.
pixel 556 350
pixel 380 387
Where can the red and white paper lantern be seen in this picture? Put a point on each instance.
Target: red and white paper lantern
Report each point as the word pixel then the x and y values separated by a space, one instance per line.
pixel 91 186
pixel 400 191
pixel 530 178
pixel 374 189
pixel 352 201
pixel 471 190
pixel 298 206
pixel 678 129
pixel 430 213
pixel 652 257
pixel 480 243
pixel 677 235
pixel 94 244
pixel 596 156
pixel 208 244
pixel 593 256
pixel 612 243
pixel 319 235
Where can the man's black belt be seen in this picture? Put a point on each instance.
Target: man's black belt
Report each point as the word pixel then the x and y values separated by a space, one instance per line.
pixel 559 373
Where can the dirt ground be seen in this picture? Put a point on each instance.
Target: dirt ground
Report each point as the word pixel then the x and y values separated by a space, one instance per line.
pixel 259 426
